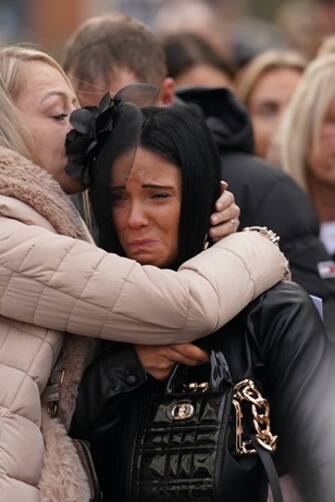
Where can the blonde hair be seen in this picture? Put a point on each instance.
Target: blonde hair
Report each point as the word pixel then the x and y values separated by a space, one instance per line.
pixel 14 131
pixel 301 126
pixel 12 66
pixel 264 63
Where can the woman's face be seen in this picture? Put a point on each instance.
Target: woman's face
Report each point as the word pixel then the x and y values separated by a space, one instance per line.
pixel 146 208
pixel 267 102
pixel 46 101
pixel 321 157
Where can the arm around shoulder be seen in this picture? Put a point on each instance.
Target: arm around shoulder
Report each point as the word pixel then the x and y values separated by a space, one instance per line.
pixel 69 285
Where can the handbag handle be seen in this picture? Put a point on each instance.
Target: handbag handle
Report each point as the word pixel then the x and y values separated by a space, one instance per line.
pixel 219 374
pixel 270 471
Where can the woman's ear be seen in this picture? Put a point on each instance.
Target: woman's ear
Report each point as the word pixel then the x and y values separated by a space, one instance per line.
pixel 167 92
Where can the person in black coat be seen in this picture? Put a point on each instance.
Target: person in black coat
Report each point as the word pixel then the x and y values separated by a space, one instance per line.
pixel 278 339
pixel 265 194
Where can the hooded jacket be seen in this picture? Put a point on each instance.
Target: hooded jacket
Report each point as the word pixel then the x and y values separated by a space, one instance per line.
pixel 266 195
pixel 55 284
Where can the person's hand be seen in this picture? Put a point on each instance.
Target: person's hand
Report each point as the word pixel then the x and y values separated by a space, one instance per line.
pixel 225 220
pixel 159 360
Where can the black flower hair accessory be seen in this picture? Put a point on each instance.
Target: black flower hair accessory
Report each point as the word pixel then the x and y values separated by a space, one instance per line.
pixel 91 126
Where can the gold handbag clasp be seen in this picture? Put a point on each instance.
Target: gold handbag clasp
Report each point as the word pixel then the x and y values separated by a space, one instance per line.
pixel 181 411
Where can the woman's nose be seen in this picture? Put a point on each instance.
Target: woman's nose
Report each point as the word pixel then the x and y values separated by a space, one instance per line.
pixel 137 216
pixel 68 126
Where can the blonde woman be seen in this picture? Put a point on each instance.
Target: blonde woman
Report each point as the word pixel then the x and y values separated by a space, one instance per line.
pixel 265 87
pixel 308 151
pixel 53 280
pixel 308 142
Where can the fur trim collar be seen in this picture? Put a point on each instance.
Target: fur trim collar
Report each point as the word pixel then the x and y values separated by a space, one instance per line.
pixel 23 180
pixel 63 477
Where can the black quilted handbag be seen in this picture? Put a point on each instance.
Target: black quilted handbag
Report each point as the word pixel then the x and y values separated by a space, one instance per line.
pixel 191 443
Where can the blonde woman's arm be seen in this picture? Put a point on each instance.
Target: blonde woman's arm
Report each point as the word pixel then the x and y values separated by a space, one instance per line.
pixel 69 285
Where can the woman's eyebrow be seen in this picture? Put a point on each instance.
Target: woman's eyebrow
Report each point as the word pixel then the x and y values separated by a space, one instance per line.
pixel 157 185
pixel 144 185
pixel 63 95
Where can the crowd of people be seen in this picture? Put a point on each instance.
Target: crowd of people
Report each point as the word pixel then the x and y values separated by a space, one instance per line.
pixel 140 180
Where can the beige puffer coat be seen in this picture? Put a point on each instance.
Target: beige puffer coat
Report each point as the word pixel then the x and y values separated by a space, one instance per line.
pixel 52 283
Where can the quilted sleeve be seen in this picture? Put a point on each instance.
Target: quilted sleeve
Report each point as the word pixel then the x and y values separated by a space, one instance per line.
pixel 70 285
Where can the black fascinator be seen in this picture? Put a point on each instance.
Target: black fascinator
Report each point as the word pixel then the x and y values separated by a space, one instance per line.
pixel 94 126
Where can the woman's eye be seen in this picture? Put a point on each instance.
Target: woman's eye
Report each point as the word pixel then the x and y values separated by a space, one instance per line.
pixel 160 195
pixel 60 116
pixel 267 110
pixel 117 198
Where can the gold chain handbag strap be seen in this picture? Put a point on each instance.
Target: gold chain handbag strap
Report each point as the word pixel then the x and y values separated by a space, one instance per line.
pixel 246 391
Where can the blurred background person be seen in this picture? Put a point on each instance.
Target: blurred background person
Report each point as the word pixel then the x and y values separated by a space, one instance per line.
pixel 298 21
pixel 192 61
pixel 265 86
pixel 305 23
pixel 308 145
pixel 196 16
pixel 108 52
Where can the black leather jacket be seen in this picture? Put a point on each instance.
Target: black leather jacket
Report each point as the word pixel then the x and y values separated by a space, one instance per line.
pixel 279 341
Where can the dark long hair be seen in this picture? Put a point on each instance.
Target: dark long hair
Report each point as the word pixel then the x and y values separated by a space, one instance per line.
pixel 181 137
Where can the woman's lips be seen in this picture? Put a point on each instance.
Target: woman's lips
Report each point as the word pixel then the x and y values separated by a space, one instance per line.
pixel 143 243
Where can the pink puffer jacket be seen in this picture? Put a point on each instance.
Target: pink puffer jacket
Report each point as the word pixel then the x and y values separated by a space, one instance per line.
pixel 53 282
